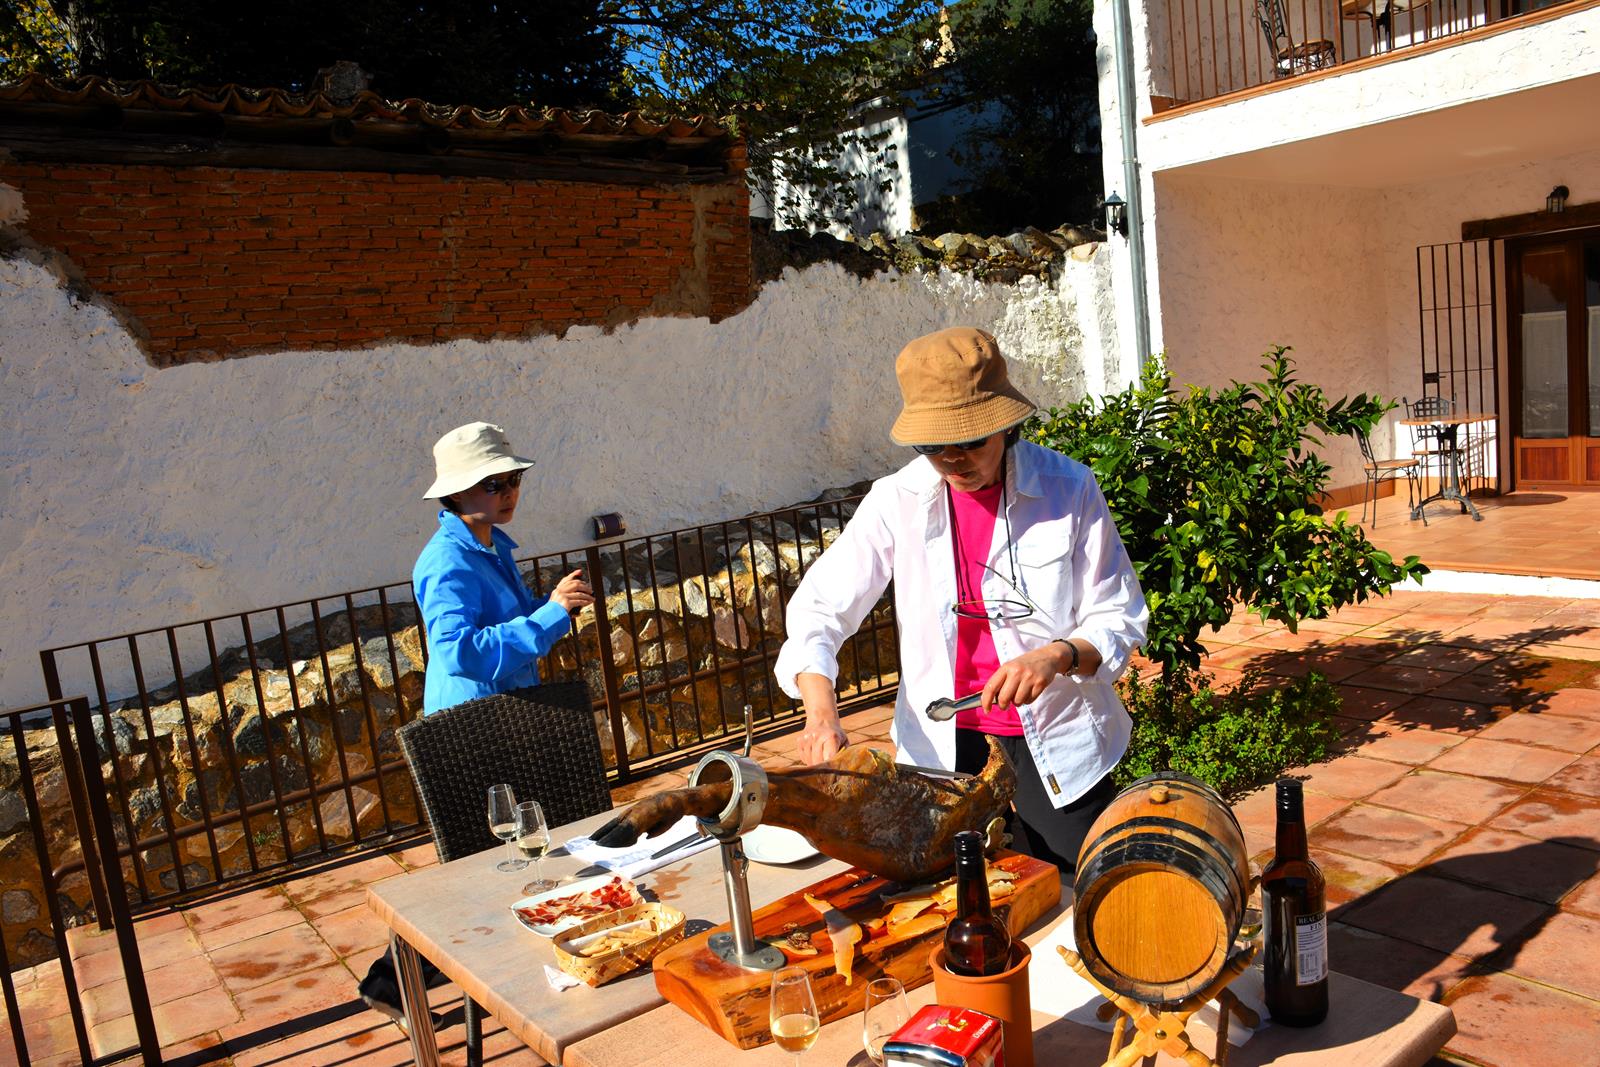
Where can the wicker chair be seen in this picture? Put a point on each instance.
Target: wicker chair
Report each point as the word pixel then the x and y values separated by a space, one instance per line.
pixel 541 741
pixel 1385 470
pixel 1290 59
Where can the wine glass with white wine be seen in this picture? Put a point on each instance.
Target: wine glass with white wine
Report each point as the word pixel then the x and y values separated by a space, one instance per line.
pixel 503 824
pixel 795 1021
pixel 533 841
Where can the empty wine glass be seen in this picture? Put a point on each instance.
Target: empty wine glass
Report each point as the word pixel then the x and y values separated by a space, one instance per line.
pixel 503 824
pixel 795 1021
pixel 886 1012
pixel 533 841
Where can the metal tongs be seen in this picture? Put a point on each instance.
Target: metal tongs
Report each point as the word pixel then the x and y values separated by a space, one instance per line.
pixel 944 708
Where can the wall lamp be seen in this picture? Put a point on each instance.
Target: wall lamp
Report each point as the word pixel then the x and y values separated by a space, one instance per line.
pixel 609 525
pixel 1116 214
pixel 1556 202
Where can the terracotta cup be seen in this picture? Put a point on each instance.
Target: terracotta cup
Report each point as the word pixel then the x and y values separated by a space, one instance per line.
pixel 1003 995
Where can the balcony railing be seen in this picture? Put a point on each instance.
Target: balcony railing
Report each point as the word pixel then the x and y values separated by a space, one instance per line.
pixel 1203 49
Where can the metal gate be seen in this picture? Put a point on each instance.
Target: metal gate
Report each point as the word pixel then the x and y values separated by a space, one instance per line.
pixel 1458 324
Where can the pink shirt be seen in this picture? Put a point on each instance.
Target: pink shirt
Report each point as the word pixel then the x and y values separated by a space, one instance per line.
pixel 976 659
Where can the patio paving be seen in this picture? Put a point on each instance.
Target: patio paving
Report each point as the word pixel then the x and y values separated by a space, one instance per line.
pixel 1459 827
pixel 1547 534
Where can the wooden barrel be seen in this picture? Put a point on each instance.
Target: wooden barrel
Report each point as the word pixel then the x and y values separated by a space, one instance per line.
pixel 1161 887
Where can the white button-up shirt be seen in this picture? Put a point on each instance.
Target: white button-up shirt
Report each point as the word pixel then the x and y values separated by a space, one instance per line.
pixel 1070 562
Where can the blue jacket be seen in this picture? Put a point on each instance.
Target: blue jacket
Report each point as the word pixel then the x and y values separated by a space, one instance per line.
pixel 485 627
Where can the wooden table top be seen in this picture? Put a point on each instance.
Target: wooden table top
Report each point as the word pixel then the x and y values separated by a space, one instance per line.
pixel 1459 419
pixel 1367 1025
pixel 458 915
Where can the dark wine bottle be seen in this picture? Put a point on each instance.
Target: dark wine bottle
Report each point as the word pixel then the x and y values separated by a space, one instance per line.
pixel 1294 957
pixel 975 942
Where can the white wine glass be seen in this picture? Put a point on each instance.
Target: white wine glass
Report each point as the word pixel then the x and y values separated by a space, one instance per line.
pixel 533 841
pixel 503 824
pixel 886 1011
pixel 795 1021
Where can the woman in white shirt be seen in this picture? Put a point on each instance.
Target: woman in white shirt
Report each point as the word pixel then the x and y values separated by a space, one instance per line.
pixel 1010 579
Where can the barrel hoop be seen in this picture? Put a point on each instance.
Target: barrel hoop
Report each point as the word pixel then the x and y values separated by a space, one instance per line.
pixel 1185 858
pixel 1239 891
pixel 1170 777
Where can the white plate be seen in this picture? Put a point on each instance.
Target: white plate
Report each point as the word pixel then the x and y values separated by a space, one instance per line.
pixel 774 844
pixel 566 890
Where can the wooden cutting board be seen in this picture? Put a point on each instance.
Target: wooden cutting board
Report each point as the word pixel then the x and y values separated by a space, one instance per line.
pixel 733 1001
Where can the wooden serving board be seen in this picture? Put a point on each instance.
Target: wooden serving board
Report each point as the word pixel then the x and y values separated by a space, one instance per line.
pixel 733 1002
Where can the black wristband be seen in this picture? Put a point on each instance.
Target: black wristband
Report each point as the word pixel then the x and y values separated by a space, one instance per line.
pixel 1072 668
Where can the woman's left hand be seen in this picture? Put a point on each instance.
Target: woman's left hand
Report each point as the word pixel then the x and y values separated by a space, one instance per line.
pixel 1020 681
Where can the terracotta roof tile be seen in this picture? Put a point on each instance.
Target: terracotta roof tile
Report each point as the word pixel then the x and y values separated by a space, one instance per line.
pixel 280 103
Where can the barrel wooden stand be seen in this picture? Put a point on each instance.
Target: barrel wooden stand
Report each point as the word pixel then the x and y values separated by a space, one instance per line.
pixel 1162 1028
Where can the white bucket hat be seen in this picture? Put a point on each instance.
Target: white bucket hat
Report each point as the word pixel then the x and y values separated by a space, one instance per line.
pixel 467 455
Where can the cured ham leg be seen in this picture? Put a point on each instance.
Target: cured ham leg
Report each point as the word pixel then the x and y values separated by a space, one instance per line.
pixel 860 807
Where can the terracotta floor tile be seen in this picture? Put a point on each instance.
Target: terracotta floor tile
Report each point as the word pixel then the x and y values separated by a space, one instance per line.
pixel 1351 777
pixel 1455 797
pixel 180 979
pixel 1522 607
pixel 330 1036
pixel 1400 679
pixel 1444 657
pixel 1563 954
pixel 352 930
pixel 1446 915
pixel 1578 703
pixel 1399 743
pixel 1548 731
pixel 297 996
pixel 195 1014
pixel 1585 899
pixel 1333 626
pixel 1515 863
pixel 207 1050
pixel 215 937
pixel 1416 627
pixel 1349 878
pixel 1411 969
pixel 234 908
pixel 1373 611
pixel 1506 1022
pixel 1396 837
pixel 1258 817
pixel 1581 776
pixel 334 903
pixel 1552 816
pixel 1498 635
pixel 1503 760
pixel 342 877
pixel 1362 703
pixel 1363 646
pixel 270 957
pixel 1437 713
pixel 1331 665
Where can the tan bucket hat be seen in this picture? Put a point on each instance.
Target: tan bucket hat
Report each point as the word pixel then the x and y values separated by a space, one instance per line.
pixel 467 455
pixel 956 389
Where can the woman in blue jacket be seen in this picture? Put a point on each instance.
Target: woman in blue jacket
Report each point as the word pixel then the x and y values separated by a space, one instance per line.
pixel 486 629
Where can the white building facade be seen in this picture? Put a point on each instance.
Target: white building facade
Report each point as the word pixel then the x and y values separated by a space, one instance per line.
pixel 1378 188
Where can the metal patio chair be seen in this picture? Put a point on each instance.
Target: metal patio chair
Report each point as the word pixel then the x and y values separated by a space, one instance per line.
pixel 1385 470
pixel 1429 444
pixel 541 741
pixel 1290 59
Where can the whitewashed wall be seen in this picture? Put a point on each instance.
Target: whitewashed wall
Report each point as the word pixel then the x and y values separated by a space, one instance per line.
pixel 134 497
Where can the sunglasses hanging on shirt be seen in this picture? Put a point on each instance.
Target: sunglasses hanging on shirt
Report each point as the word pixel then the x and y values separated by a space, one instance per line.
pixel 971 606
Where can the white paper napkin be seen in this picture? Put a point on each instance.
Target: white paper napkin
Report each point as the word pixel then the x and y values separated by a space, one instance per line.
pixel 1056 988
pixel 560 981
pixel 634 862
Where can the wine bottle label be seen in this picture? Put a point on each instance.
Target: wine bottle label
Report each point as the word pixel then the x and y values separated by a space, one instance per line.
pixel 1310 948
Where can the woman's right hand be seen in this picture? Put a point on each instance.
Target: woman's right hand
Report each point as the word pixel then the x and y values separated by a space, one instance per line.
pixel 572 592
pixel 823 736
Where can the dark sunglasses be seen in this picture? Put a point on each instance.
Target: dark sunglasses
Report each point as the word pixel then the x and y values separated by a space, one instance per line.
pixel 965 446
pixel 500 483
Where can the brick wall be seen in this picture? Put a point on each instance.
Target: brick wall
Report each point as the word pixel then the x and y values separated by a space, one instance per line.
pixel 207 262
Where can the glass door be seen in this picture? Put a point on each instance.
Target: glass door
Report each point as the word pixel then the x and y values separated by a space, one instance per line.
pixel 1554 338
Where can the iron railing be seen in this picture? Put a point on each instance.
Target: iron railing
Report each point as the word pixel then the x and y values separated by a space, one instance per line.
pixel 1214 47
pixel 241 744
pixel 56 741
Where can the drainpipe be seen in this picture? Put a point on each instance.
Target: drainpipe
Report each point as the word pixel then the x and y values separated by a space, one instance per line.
pixel 1122 20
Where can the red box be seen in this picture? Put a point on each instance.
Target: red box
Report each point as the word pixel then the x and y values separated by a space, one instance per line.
pixel 938 1036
